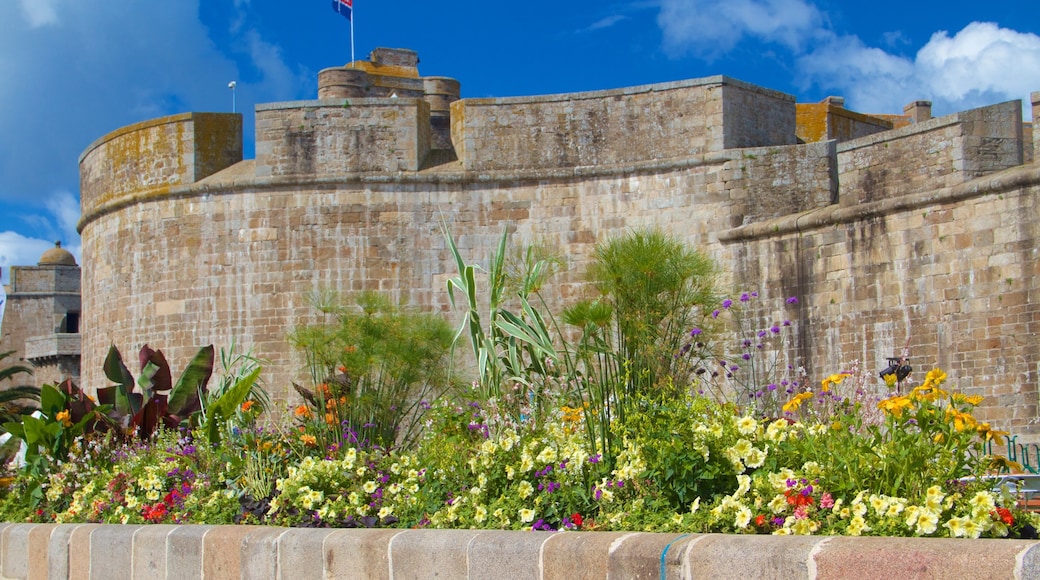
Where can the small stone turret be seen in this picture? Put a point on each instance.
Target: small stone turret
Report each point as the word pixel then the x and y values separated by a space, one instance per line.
pixel 394 73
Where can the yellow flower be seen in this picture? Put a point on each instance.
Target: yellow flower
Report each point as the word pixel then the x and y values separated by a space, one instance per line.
pixel 747 425
pixel 835 379
pixel 891 380
pixel 960 420
pixel 961 398
pixel 928 392
pixel 988 433
pixel 896 405
pixel 935 377
pixel 64 417
pixel 309 440
pixel 796 402
pixel 526 515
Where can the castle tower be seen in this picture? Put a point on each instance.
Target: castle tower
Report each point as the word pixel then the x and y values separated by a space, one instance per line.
pixel 41 322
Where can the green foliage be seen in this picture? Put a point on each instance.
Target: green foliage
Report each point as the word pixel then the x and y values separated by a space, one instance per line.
pixel 513 349
pixel 655 285
pixel 160 400
pixel 374 366
pixel 684 459
pixel 65 414
pixel 12 371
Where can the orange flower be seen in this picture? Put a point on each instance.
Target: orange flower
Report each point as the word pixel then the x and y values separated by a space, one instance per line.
pixel 64 417
pixel 247 406
pixel 342 369
pixel 330 418
pixel 303 412
pixel 309 440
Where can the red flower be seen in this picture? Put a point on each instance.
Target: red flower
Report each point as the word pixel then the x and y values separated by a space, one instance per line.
pixel 576 519
pixel 154 513
pixel 760 520
pixel 1004 515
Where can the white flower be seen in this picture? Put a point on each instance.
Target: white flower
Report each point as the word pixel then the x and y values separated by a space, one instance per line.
pixel 526 515
pixel 525 489
pixel 548 455
pixel 747 425
pixel 743 517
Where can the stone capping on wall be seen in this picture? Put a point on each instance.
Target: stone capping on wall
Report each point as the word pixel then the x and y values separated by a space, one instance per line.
pixel 1022 177
pixel 109 552
pixel 715 80
pixel 168 120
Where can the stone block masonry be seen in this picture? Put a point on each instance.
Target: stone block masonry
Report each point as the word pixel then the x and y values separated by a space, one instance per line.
pixel 113 552
pixel 924 235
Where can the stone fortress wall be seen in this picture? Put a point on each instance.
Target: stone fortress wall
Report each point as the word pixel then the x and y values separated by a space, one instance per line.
pixel 889 229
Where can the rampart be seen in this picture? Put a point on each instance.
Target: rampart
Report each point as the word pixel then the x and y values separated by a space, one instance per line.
pixel 110 552
pixel 922 236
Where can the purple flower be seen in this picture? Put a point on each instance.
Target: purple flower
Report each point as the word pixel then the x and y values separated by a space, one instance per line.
pixel 761 334
pixel 695 332
pixel 792 300
pixel 715 313
pixel 727 303
pixel 775 329
pixel 745 356
pixel 787 323
pixel 595 458
pixel 744 297
pixel 754 294
pixel 771 387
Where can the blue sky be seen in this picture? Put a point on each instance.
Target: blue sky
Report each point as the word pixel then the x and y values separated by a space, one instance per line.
pixel 73 70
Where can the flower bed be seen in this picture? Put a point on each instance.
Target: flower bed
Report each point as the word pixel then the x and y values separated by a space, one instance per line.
pixel 597 434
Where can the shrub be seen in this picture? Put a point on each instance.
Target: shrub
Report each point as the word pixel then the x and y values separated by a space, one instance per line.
pixel 373 366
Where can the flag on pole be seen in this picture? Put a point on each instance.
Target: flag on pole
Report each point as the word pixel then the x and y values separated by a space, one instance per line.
pixel 344 7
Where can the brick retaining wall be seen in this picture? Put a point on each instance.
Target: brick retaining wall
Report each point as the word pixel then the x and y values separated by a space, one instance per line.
pixel 111 552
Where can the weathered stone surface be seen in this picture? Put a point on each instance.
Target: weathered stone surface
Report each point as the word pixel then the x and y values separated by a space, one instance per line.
pixel 922 236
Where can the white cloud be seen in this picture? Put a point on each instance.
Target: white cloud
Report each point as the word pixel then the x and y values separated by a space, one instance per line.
pixel 606 22
pixel 710 28
pixel 57 224
pixel 980 65
pixel 18 250
pixel 980 61
pixel 39 12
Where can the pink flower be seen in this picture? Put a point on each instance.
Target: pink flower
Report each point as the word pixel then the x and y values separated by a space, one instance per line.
pixel 826 501
pixel 801 512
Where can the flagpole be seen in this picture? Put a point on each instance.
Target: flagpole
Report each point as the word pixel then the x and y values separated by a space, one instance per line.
pixel 351 34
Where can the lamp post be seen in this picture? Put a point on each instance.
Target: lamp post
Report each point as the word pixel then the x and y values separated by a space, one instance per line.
pixel 232 86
